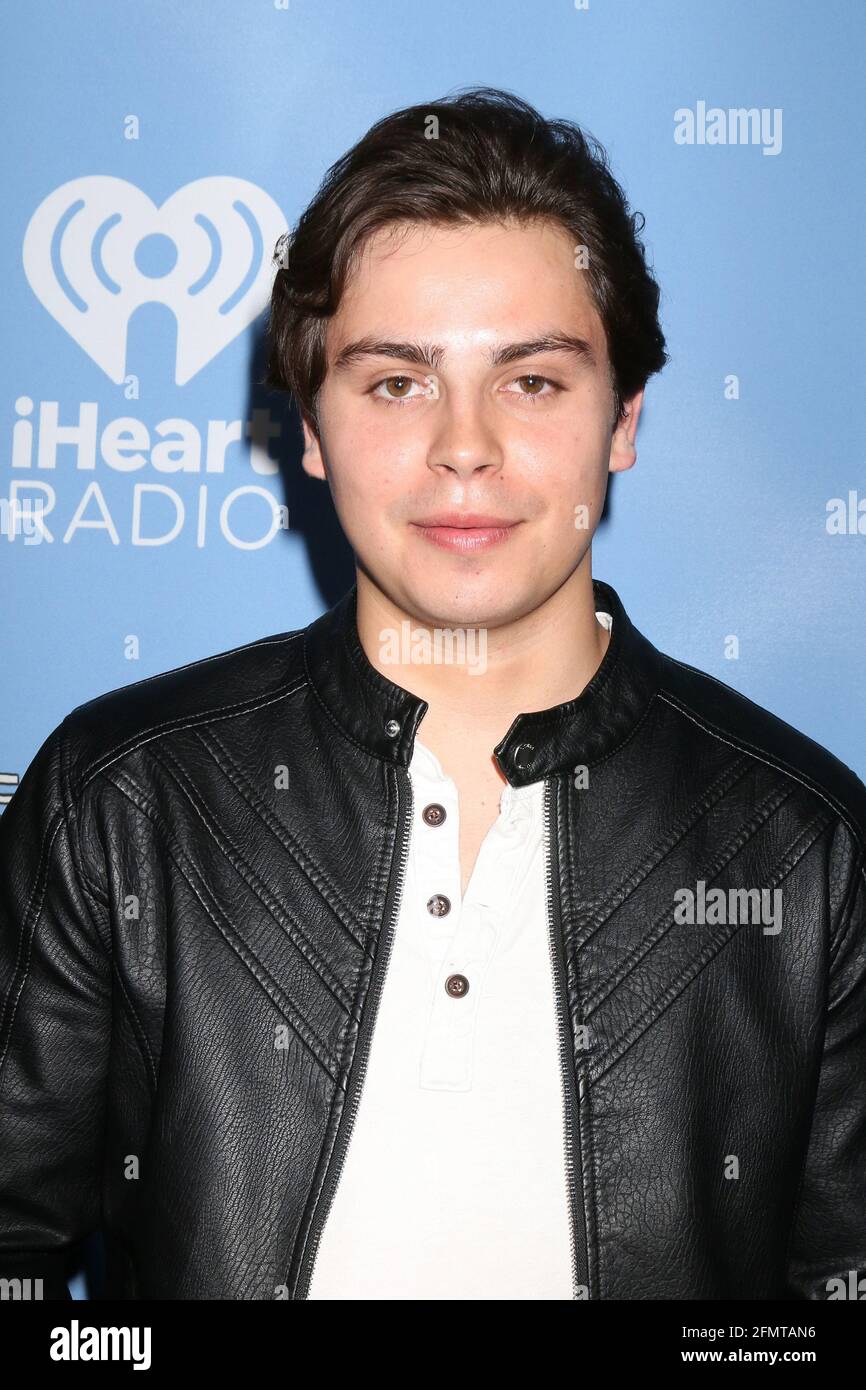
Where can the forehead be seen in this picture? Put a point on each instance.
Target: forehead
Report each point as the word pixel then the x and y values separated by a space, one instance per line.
pixel 489 278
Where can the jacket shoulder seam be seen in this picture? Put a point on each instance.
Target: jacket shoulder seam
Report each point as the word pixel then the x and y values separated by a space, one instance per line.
pixel 761 755
pixel 186 721
pixel 70 816
pixel 846 913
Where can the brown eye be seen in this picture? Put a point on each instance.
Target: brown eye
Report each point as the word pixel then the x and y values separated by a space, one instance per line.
pixel 405 380
pixel 400 394
pixel 547 388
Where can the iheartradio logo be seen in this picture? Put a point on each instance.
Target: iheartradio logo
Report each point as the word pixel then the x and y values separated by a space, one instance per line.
pixel 97 248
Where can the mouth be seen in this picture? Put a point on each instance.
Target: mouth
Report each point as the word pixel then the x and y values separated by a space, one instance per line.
pixel 467 534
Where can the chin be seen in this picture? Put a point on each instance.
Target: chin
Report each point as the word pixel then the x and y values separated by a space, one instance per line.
pixel 479 601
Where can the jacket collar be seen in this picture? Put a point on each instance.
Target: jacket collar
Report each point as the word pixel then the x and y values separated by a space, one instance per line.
pixel 383 717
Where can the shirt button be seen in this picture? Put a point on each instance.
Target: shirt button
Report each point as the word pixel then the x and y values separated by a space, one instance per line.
pixel 438 905
pixel 434 814
pixel 456 986
pixel 523 755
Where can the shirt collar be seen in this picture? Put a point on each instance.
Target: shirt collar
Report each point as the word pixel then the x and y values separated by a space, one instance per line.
pixel 383 717
pixel 427 770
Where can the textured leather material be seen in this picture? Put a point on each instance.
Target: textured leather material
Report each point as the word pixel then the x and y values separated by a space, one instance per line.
pixel 199 875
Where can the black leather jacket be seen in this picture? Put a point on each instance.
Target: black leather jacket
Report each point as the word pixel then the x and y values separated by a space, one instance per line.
pixel 201 874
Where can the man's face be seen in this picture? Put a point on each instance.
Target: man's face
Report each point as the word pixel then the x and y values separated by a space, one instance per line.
pixel 407 436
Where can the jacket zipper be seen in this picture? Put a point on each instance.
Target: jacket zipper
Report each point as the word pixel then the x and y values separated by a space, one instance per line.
pixel 362 1050
pixel 576 1208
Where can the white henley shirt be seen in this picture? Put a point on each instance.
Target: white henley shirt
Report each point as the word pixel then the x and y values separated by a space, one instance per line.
pixel 454 1185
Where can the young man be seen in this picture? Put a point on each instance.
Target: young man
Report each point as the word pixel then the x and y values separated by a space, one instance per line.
pixel 336 967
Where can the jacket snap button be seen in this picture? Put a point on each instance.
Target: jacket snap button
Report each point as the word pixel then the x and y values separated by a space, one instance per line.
pixel 434 814
pixel 392 728
pixel 438 905
pixel 456 986
pixel 523 754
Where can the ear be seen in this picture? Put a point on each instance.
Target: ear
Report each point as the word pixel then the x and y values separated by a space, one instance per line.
pixel 312 461
pixel 622 445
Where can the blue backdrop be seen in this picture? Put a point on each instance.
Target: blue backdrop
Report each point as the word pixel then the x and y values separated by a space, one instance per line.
pixel 155 153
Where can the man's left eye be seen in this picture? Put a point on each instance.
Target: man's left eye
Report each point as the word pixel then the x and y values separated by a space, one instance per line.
pixel 535 380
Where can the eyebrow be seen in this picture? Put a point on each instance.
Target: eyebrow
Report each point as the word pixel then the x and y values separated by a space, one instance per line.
pixel 433 355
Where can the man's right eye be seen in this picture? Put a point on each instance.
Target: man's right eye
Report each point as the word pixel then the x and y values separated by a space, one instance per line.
pixel 403 382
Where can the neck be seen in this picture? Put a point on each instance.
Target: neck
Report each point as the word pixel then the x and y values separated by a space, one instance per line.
pixel 541 659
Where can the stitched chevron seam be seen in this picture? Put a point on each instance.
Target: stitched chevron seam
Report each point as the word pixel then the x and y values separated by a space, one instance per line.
pixel 687 977
pixel 257 970
pixel 719 788
pixel 737 841
pixel 286 922
pixel 287 838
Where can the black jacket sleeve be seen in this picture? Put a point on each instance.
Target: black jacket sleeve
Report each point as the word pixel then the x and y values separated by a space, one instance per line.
pixel 827 1252
pixel 55 1025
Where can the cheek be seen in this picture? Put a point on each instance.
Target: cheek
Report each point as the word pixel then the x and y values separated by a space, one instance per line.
pixel 565 475
pixel 383 480
pixel 363 494
pixel 574 498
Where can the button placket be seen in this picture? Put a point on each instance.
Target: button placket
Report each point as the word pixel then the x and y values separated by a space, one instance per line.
pixel 436 894
pixel 447 1059
pixel 460 934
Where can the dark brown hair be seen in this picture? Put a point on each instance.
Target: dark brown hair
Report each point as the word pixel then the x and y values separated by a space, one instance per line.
pixel 478 156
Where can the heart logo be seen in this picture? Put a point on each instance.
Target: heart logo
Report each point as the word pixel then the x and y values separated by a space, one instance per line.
pixel 97 248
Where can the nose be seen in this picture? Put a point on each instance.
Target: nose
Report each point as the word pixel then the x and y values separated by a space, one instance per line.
pixel 465 442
